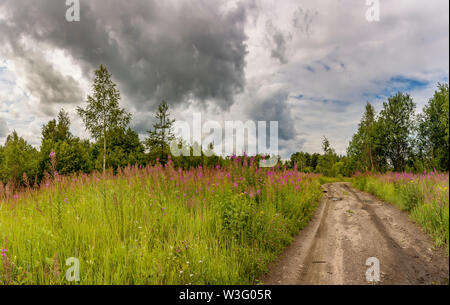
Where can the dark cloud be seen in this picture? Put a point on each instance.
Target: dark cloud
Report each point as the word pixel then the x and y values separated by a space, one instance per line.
pixel 275 108
pixel 45 82
pixel 143 122
pixel 277 41
pixel 154 49
pixel 287 148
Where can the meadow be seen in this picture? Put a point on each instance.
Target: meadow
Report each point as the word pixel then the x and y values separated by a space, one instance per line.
pixel 154 224
pixel 424 196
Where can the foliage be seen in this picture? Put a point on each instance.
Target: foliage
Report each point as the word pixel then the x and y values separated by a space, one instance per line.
pixel 17 158
pixel 434 130
pixel 363 146
pixel 125 148
pixel 103 113
pixel 155 225
pixel 159 139
pixel 397 123
pixel 423 196
pixel 327 160
pixel 73 154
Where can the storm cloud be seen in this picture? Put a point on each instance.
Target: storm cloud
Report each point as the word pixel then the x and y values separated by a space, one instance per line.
pixel 273 106
pixel 277 40
pixel 310 65
pixel 177 51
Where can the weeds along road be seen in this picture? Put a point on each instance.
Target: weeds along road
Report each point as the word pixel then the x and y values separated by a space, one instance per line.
pixel 349 227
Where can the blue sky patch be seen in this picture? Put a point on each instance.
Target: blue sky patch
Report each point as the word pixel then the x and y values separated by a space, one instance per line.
pixel 407 84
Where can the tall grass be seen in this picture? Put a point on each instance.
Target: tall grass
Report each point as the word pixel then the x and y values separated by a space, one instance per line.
pixel 424 196
pixel 154 225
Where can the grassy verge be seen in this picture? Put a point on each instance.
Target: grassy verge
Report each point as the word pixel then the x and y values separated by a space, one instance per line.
pixel 154 225
pixel 424 197
pixel 324 180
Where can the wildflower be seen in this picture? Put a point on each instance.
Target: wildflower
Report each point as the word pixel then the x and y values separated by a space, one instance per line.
pixel 52 155
pixel 3 251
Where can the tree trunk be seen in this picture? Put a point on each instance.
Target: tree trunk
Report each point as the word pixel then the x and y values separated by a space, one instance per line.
pixel 104 153
pixel 370 155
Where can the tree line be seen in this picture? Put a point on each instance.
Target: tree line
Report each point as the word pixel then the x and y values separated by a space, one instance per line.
pixel 115 143
pixel 395 139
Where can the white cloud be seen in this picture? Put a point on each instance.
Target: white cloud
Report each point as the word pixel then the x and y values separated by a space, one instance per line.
pixel 324 51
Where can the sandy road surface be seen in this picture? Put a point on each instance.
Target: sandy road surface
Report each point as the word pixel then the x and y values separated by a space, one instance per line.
pixel 350 226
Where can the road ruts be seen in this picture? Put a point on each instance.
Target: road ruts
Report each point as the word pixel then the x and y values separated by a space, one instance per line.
pixel 350 226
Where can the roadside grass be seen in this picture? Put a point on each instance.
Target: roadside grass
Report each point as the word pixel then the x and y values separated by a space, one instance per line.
pixel 324 179
pixel 425 197
pixel 154 225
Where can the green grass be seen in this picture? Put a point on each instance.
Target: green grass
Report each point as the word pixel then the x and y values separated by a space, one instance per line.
pixel 154 225
pixel 424 197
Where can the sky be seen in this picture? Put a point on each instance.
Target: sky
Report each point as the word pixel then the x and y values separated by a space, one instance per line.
pixel 310 65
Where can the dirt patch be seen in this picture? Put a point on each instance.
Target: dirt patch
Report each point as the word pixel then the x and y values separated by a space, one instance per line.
pixel 350 226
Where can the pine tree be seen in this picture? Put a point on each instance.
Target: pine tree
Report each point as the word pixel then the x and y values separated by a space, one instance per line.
pixel 160 137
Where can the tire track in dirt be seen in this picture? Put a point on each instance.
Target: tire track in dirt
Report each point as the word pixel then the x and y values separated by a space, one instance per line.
pixel 350 226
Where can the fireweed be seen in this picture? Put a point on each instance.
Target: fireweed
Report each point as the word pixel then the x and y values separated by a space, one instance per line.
pixel 424 196
pixel 156 224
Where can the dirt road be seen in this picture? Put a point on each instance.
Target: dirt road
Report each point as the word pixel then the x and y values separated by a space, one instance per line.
pixel 349 227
